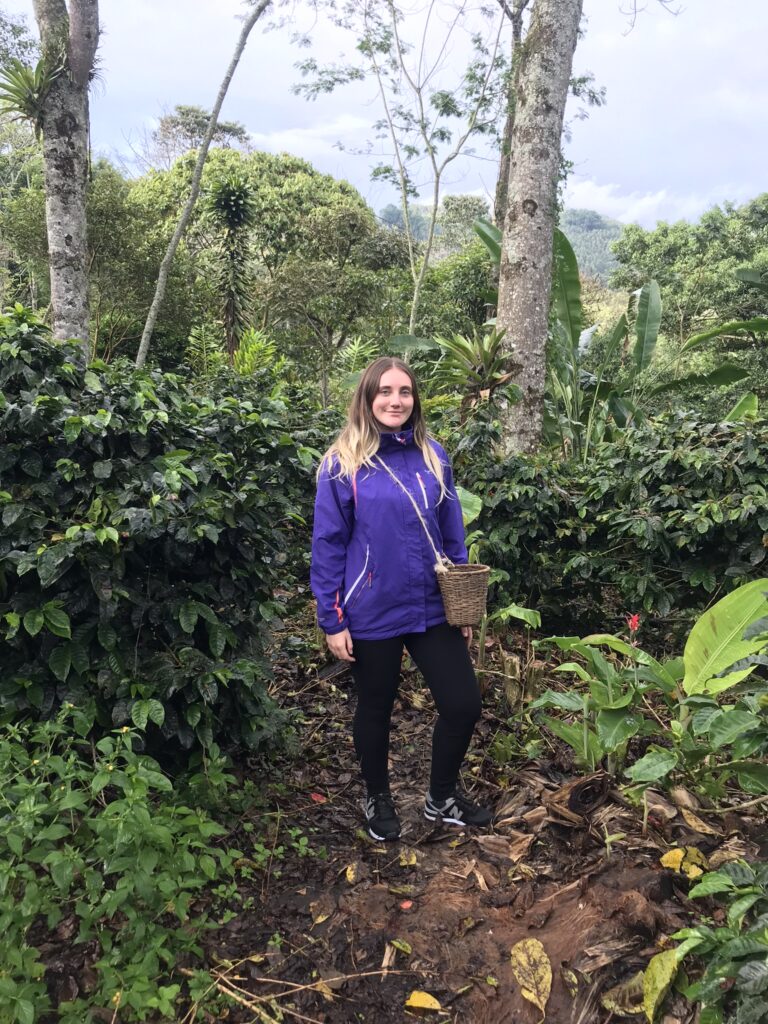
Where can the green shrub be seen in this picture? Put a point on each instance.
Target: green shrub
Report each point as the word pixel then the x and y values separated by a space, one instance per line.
pixel 660 519
pixel 145 529
pixel 95 844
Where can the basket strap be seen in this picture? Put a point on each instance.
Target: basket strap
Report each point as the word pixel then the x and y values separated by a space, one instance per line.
pixel 441 561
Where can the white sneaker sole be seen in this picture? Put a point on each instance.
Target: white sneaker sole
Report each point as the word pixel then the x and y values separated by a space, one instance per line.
pixel 446 821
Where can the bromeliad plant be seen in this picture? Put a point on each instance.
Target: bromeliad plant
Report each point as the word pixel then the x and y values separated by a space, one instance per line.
pixel 713 740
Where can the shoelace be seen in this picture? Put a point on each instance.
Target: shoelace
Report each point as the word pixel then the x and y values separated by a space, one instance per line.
pixel 381 805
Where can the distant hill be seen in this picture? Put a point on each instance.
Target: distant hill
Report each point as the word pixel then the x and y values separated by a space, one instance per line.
pixel 591 235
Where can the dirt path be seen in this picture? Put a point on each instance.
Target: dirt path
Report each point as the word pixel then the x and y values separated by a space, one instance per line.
pixel 348 937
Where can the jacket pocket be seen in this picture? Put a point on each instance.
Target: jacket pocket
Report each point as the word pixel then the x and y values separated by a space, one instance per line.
pixel 365 585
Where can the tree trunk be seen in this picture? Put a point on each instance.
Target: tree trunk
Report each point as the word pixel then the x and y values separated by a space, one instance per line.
pixel 194 191
pixel 525 276
pixel 515 15
pixel 69 42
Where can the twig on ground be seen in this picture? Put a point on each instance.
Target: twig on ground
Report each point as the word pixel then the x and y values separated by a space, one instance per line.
pixel 739 807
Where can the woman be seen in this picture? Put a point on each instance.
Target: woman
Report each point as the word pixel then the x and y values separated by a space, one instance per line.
pixel 374 579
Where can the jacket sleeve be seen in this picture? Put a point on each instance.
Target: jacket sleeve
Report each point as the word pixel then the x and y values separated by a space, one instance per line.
pixel 450 519
pixel 334 516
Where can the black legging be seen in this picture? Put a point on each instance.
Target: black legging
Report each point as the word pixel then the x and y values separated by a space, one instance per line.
pixel 442 656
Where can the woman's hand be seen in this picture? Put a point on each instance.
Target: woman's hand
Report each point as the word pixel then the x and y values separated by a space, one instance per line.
pixel 466 632
pixel 340 645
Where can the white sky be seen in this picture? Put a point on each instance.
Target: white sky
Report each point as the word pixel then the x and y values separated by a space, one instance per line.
pixel 685 125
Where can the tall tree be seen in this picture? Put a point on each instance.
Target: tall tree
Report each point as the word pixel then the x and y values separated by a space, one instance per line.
pixel 69 37
pixel 525 275
pixel 430 114
pixel 194 191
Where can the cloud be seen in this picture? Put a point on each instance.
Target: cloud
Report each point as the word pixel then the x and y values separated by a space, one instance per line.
pixel 316 139
pixel 646 208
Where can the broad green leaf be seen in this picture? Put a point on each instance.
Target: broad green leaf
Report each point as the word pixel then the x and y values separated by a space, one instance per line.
pixel 753 778
pixel 555 699
pixel 566 289
pixel 710 884
pixel 33 621
pixel 758 325
pixel 107 636
pixel 716 641
pixel 747 407
pixel 586 745
pixel 400 343
pixel 471 505
pixel 57 622
pixel 753 977
pixel 60 661
pixel 730 725
pixel 655 765
pixel 490 236
pixel 728 373
pixel 647 325
pixel 615 727
pixel 140 713
pixel 188 616
pixel 156 711
pixel 516 611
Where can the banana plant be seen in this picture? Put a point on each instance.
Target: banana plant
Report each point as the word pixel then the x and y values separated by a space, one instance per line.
pixel 585 408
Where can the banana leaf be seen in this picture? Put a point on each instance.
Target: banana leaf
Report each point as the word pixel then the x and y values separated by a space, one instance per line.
pixel 647 325
pixel 746 408
pixel 716 642
pixel 758 325
pixel 728 373
pixel 490 236
pixel 566 289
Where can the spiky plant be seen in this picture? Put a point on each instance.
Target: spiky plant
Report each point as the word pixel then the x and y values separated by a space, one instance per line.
pixel 231 209
pixel 23 90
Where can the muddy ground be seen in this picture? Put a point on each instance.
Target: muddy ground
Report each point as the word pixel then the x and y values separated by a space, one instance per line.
pixel 349 935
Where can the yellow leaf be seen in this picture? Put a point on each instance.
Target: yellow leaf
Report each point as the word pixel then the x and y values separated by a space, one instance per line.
pixel 686 860
pixel 422 1001
pixel 493 982
pixel 570 980
pixel 403 946
pixel 325 990
pixel 626 998
pixel 351 873
pixel 408 859
pixel 657 980
pixel 531 967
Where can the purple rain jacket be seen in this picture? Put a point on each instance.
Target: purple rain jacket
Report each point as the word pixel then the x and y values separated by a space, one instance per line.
pixel 372 565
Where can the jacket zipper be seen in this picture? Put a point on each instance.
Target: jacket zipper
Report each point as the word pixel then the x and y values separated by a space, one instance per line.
pixel 351 590
pixel 423 490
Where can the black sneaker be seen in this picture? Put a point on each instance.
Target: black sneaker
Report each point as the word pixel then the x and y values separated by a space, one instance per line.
pixel 380 813
pixel 456 809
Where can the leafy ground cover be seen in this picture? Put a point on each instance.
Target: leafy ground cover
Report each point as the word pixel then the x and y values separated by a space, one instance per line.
pixel 596 896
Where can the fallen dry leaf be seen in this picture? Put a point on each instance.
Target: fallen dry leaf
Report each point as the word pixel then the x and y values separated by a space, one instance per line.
pixel 681 797
pixel 657 981
pixel 418 1000
pixel 318 798
pixel 533 971
pixel 408 859
pixel 626 998
pixel 695 822
pixel 351 872
pixel 686 860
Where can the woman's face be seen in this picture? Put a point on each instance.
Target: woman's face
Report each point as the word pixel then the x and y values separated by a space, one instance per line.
pixel 393 402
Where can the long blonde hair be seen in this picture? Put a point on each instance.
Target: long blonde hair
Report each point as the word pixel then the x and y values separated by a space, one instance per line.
pixel 360 437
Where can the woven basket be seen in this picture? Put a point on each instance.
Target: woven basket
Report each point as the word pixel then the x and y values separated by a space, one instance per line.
pixel 464 589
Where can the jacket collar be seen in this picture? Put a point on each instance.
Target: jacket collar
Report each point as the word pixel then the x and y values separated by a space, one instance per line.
pixel 396 441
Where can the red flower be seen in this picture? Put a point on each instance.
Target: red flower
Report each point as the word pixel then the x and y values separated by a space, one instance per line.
pixel 633 621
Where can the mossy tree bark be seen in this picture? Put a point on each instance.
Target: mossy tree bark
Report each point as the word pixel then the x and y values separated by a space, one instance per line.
pixel 69 38
pixel 525 273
